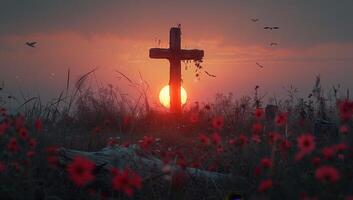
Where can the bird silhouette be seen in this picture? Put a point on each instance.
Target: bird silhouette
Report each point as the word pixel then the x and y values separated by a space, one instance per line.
pixel 271 27
pixel 273 44
pixel 261 66
pixel 254 19
pixel 31 44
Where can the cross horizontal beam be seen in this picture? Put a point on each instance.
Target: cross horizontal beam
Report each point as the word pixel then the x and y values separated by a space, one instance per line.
pixel 182 54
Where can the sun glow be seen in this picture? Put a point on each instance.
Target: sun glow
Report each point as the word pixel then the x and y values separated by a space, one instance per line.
pixel 164 97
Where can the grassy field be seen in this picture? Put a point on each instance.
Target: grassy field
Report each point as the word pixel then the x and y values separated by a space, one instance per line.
pixel 295 148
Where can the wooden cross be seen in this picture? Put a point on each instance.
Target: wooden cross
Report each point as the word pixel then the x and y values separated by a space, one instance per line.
pixel 175 55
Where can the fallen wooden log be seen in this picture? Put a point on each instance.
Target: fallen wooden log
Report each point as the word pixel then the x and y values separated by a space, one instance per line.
pixel 146 165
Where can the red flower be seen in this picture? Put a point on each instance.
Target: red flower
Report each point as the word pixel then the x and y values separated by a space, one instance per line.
pixel 80 170
pixel 285 146
pixel 259 113
pixel 257 171
pixel 316 161
pixel 266 163
pixel 242 139
pixel 327 174
pixel 51 150
pixel 306 143
pixel 146 142
pixel 13 145
pixel 126 120
pixel 32 143
pixel 274 137
pixel 3 128
pixel 231 141
pixel 125 181
pixel 328 152
pixel 341 147
pixel 38 125
pixel 346 110
pixel 31 154
pixel 53 161
pixel 257 128
pixel 194 118
pixel 218 122
pixel 19 122
pixel 204 139
pixel 281 119
pixel 2 167
pixel 344 129
pixel 216 139
pixel 265 185
pixel 23 133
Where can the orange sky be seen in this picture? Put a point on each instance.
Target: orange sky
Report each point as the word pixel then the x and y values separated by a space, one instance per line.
pixel 232 45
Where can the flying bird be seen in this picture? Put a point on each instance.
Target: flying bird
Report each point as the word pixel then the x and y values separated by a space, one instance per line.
pixel 210 74
pixel 273 44
pixel 31 44
pixel 254 19
pixel 261 66
pixel 271 27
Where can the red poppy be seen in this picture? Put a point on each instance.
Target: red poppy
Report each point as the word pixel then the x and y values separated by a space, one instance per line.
pixel 111 141
pixel 306 143
pixel 30 154
pixel 232 141
pixel 19 122
pixel 259 113
pixel 126 181
pixel 146 142
pixel 23 133
pixel 32 143
pixel 218 122
pixel 328 152
pixel 216 138
pixel 242 139
pixel 13 145
pixel 194 118
pixel 38 125
pixel 285 146
pixel 282 118
pixel 257 171
pixel 80 171
pixel 53 161
pixel 265 185
pixel 126 120
pixel 327 174
pixel 2 167
pixel 341 147
pixel 3 127
pixel 316 161
pixel 51 150
pixel 274 137
pixel 346 110
pixel 344 129
pixel 204 139
pixel 257 128
pixel 266 163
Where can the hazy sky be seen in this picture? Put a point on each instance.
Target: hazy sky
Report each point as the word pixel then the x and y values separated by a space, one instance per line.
pixel 315 37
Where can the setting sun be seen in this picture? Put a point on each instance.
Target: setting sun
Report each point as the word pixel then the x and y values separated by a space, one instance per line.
pixel 164 97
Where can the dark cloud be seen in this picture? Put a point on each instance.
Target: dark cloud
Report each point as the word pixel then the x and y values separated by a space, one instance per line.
pixel 302 22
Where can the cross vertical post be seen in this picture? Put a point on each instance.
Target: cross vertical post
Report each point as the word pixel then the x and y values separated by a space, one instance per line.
pixel 175 55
